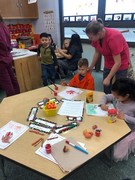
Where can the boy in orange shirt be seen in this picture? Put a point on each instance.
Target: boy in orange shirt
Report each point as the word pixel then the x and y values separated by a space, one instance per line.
pixel 83 79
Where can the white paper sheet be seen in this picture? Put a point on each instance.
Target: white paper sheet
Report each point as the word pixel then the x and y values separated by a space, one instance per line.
pixel 70 93
pixel 16 128
pixel 72 108
pixel 41 151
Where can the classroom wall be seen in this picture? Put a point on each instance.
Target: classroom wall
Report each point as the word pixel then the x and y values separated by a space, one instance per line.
pixel 39 25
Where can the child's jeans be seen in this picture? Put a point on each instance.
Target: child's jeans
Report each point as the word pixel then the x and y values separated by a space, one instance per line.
pixel 48 73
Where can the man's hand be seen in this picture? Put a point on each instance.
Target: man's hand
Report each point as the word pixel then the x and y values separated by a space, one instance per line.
pixel 106 82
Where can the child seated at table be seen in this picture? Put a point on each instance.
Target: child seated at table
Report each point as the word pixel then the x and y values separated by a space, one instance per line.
pixel 123 94
pixel 83 79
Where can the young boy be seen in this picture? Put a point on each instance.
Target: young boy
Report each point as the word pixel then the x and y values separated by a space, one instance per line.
pixel 48 59
pixel 83 79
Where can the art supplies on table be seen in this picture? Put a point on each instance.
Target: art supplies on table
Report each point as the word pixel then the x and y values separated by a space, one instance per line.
pixel 71 118
pixel 42 125
pixel 52 90
pixel 95 110
pixel 50 108
pixel 70 159
pixel 32 114
pixel 63 128
pixel 35 143
pixel 11 132
pixel 55 139
pixel 52 139
pixel 89 97
pixel 70 93
pixel 71 108
pixel 43 102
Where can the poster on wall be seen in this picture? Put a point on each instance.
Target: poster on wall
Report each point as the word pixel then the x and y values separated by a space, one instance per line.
pixel 108 17
pixel 49 23
pixel 80 7
pixel 121 6
pixel 117 17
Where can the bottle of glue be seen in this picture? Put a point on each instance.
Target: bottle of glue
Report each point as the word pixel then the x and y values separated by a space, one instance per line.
pixel 112 115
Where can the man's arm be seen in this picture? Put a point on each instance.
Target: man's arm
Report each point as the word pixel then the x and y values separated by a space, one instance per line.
pixel 117 64
pixel 95 59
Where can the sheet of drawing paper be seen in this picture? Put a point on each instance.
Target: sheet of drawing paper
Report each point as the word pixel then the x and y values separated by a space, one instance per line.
pixel 71 108
pixel 70 93
pixel 15 128
pixel 70 160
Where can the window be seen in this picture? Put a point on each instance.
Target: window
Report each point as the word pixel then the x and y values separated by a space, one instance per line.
pixel 80 7
pixel 121 6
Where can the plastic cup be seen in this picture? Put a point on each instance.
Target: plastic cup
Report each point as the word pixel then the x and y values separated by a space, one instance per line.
pixel 48 148
pixel 97 133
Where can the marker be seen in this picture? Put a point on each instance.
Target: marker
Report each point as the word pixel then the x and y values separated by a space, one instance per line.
pixel 76 147
pixel 67 128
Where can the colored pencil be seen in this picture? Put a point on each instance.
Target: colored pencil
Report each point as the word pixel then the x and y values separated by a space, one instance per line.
pixel 51 89
pixel 35 143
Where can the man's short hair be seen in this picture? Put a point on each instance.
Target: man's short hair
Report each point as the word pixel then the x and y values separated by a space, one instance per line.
pixel 83 62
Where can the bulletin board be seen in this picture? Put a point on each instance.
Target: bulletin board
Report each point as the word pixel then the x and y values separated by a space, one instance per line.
pixel 49 23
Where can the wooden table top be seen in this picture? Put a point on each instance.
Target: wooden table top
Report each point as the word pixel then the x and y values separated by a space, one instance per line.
pixel 17 108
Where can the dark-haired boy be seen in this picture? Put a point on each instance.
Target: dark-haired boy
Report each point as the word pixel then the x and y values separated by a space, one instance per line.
pixel 48 59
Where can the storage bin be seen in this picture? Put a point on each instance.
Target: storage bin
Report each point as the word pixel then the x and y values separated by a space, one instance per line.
pixel 50 112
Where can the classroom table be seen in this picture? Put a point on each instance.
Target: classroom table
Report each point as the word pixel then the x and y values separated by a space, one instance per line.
pixel 17 108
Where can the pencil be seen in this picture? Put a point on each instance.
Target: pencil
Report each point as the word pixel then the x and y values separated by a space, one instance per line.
pixel 42 142
pixel 36 132
pixel 51 89
pixel 53 83
pixel 36 142
pixel 52 138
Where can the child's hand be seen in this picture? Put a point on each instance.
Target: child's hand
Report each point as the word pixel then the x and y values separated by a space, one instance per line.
pixel 121 116
pixel 63 83
pixel 104 107
pixel 60 51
